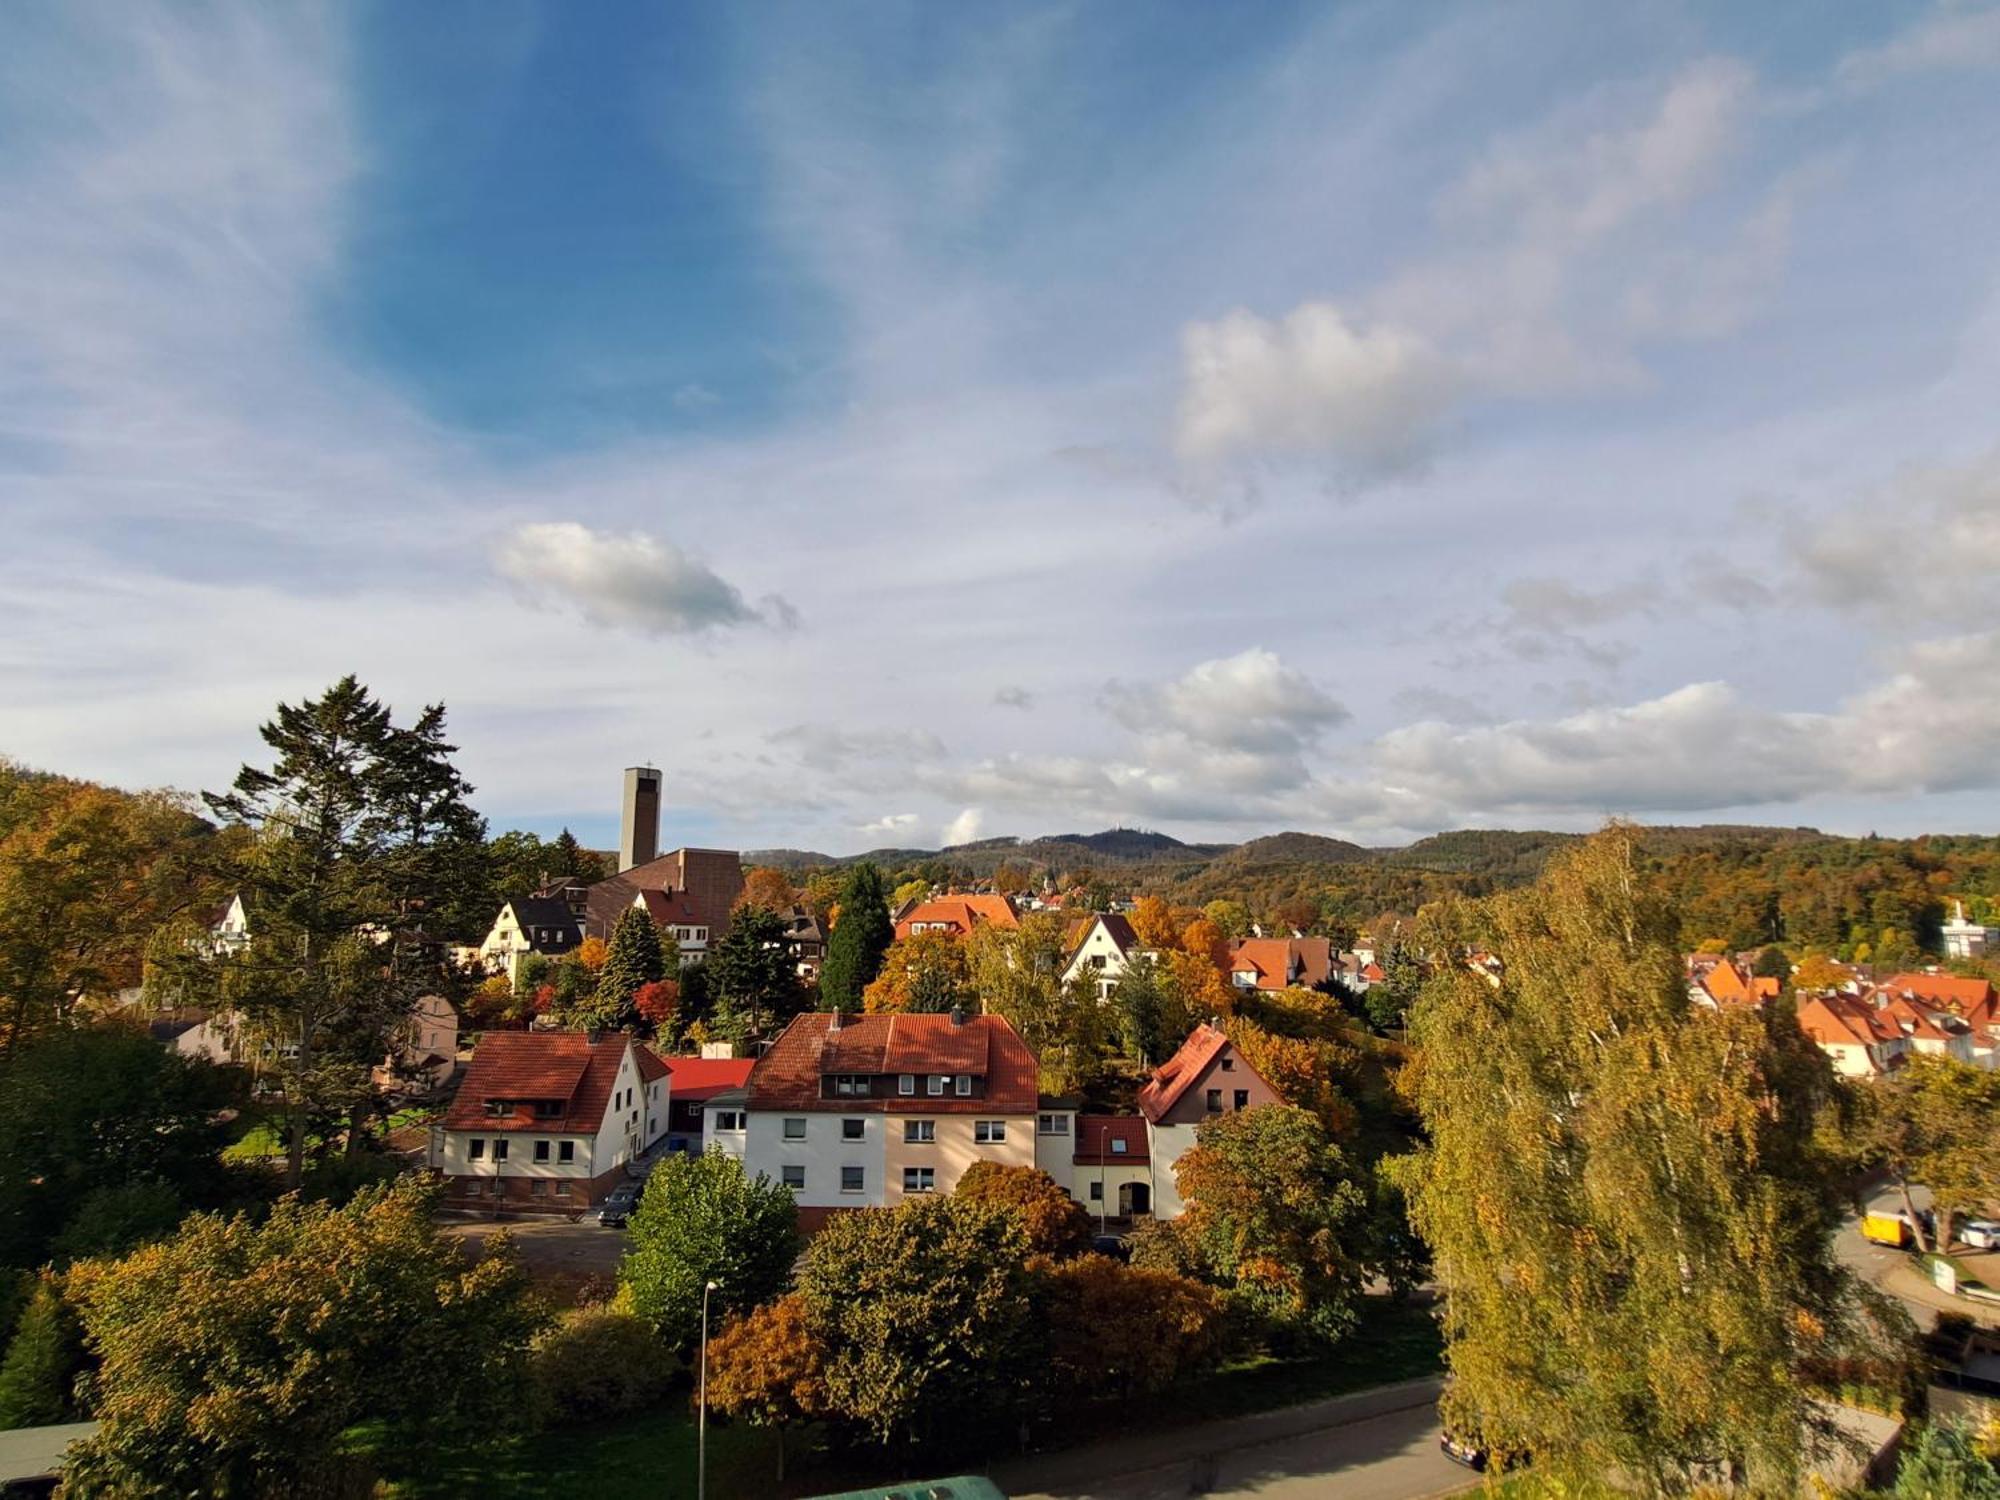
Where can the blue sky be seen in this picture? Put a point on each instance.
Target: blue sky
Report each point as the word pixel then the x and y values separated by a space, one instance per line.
pixel 905 422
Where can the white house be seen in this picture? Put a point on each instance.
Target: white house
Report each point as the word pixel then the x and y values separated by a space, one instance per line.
pixel 528 924
pixel 1107 945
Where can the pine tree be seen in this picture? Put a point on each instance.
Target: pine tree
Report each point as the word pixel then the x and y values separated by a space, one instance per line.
pixel 636 959
pixel 42 1360
pixel 751 977
pixel 860 937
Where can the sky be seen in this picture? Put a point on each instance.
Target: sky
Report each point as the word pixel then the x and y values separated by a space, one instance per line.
pixel 911 423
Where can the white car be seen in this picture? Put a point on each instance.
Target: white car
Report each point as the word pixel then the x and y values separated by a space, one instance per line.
pixel 1981 1234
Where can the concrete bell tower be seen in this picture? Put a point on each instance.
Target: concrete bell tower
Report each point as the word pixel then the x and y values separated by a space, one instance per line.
pixel 639 828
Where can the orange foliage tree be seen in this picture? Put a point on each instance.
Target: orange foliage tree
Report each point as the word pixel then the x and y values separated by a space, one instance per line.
pixel 592 953
pixel 1122 1330
pixel 926 971
pixel 1056 1223
pixel 764 886
pixel 1153 920
pixel 767 1367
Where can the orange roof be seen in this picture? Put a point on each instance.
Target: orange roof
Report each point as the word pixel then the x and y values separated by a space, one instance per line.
pixel 1097 1134
pixel 1942 989
pixel 523 1068
pixel 705 1077
pixel 1843 1021
pixel 1177 1074
pixel 1912 1020
pixel 788 1075
pixel 1273 960
pixel 1726 984
pixel 960 913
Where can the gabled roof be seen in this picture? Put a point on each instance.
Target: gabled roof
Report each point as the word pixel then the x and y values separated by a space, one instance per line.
pixel 812 1047
pixel 1096 1135
pixel 1273 960
pixel 1177 1074
pixel 1942 989
pixel 705 1077
pixel 651 1068
pixel 533 914
pixel 521 1067
pixel 667 908
pixel 962 911
pixel 1843 1021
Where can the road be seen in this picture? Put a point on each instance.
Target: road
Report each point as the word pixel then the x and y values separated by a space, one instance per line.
pixel 1892 1271
pixel 1375 1445
pixel 549 1245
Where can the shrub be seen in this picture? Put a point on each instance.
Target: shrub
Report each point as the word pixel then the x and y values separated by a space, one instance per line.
pixel 1055 1223
pixel 41 1364
pixel 112 1220
pixel 595 1363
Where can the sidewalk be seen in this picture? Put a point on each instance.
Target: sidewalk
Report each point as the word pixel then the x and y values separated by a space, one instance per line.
pixel 1186 1460
pixel 1903 1280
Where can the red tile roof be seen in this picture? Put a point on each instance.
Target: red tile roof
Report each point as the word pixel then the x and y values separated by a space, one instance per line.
pixel 705 1077
pixel 961 913
pixel 1842 1020
pixel 1274 960
pixel 788 1075
pixel 1177 1074
pixel 651 1068
pixel 1942 988
pixel 522 1067
pixel 1095 1135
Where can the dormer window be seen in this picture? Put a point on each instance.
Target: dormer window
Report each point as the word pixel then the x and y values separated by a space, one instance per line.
pixel 548 1109
pixel 935 1083
pixel 851 1084
pixel 964 1085
pixel 497 1107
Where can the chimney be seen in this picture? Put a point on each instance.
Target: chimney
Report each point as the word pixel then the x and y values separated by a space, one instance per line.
pixel 833 1023
pixel 639 830
pixel 958 1015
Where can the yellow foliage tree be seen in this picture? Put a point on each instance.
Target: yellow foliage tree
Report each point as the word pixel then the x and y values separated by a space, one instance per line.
pixel 593 953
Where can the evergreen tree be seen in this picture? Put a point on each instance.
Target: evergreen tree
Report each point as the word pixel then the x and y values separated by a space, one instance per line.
pixel 434 864
pixel 636 959
pixel 1137 998
pixel 1626 1197
pixel 42 1361
pixel 568 857
pixel 860 937
pixel 752 983
pixel 1389 999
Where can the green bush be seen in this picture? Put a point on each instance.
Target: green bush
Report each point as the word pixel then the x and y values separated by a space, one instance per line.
pixel 1941 1462
pixel 116 1219
pixel 41 1364
pixel 598 1362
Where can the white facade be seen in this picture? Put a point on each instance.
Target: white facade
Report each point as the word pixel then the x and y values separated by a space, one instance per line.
pixel 829 1161
pixel 1098 961
pixel 634 1117
pixel 1165 1145
pixel 1963 939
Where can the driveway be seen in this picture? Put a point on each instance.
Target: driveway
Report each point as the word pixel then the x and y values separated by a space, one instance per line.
pixel 1892 1271
pixel 552 1248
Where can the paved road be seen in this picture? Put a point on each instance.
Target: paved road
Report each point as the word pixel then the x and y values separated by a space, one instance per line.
pixel 1892 1271
pixel 1376 1445
pixel 550 1244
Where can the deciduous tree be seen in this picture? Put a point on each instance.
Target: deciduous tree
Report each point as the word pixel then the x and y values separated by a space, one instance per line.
pixel 766 1366
pixel 924 972
pixel 1118 1330
pixel 768 888
pixel 1936 1121
pixel 1054 1222
pixel 1017 972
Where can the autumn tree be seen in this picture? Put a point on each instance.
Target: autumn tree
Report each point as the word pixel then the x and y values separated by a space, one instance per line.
pixel 1389 999
pixel 1118 1330
pixel 771 889
pixel 1153 921
pixel 860 938
pixel 656 1003
pixel 1626 1197
pixel 1055 1223
pixel 703 1219
pixel 1017 972
pixel 924 972
pixel 1277 1216
pixel 633 960
pixel 767 1367
pixel 598 1362
pixel 1936 1121
pixel 908 891
pixel 1230 917
pixel 925 1316
pixel 236 1357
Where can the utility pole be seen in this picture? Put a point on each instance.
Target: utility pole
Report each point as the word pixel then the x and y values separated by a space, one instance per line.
pixel 701 1422
pixel 1103 1150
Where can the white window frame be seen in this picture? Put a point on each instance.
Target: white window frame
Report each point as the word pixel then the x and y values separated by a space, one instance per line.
pixel 920 1132
pixel 785 1131
pixel 934 1083
pixel 964 1082
pixel 565 1151
pixel 790 1170
pixel 1118 1145
pixel 920 1179
pixel 475 1148
pixel 1056 1124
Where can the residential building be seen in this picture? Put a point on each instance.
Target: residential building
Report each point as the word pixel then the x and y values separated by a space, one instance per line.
pixel 1111 1167
pixel 548 1120
pixel 229 927
pixel 1205 1078
pixel 1861 1042
pixel 697 889
pixel 807 940
pixel 1103 947
pixel 957 914
pixel 697 1081
pixel 1963 939
pixel 864 1111
pixel 1716 981
pixel 1281 963
pixel 528 924
pixel 426 1051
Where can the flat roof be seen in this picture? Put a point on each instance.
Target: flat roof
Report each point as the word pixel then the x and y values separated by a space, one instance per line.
pixel 33 1452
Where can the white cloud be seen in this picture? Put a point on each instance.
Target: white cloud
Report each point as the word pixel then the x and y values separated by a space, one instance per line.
pixel 1952 38
pixel 631 581
pixel 962 829
pixel 1013 696
pixel 888 825
pixel 1249 702
pixel 1925 546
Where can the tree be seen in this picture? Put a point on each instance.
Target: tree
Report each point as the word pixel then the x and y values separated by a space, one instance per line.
pixel 1774 963
pixel 86 1110
pixel 119 1217
pixel 752 977
pixel 1277 1216
pixel 41 1363
pixel 1936 1121
pixel 1054 1223
pixel 1231 918
pixel 634 959
pixel 1941 1461
pixel 1153 922
pixel 1194 991
pixel 859 939
pixel 597 1362
pixel 570 859
pixel 908 891
pixel 700 1220
pixel 1389 999
pixel 767 1367
pixel 924 972
pixel 1305 1072
pixel 1011 879
pixel 1627 1200
pixel 925 1316
pixel 768 888
pixel 235 1357
pixel 1139 1000
pixel 1017 972
pixel 1818 972
pixel 591 955
pixel 656 1003
pixel 1117 1330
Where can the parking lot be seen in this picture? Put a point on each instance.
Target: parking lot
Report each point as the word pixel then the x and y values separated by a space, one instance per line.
pixel 564 1257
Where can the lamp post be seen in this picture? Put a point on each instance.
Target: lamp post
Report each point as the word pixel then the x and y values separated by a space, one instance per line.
pixel 701 1419
pixel 1103 1151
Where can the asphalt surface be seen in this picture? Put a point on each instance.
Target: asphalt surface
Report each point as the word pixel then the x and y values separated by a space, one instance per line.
pixel 549 1245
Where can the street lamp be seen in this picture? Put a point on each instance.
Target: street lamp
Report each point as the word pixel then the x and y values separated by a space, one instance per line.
pixel 1103 1151
pixel 701 1419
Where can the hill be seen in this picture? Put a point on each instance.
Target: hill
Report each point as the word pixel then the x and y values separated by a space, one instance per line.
pixel 1306 848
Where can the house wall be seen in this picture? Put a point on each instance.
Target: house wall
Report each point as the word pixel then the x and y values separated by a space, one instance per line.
pixel 733 1143
pixel 1053 1152
pixel 1165 1145
pixel 622 1134
pixel 1086 967
pixel 822 1153
pixel 954 1149
pixel 1112 1176
pixel 1192 1107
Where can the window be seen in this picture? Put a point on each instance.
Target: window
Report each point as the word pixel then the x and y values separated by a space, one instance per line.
pixel 500 1150
pixel 562 1184
pixel 548 1109
pixel 986 1132
pixel 850 1084
pixel 1243 1098
pixel 906 1084
pixel 795 1178
pixel 730 1120
pixel 475 1149
pixel 537 1187
pixel 541 1150
pixel 919 1132
pixel 1228 1064
pixel 498 1107
pixel 795 1127
pixel 1097 1192
pixel 1118 1146
pixel 1052 1125
pixel 566 1151
pixel 965 1084
pixel 850 1179
pixel 935 1083
pixel 853 1130
pixel 920 1179
pixel 1215 1101
pixel 496 1187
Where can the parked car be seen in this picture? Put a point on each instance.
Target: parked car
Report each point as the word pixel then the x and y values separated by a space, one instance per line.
pixel 618 1205
pixel 1981 1234
pixel 1111 1245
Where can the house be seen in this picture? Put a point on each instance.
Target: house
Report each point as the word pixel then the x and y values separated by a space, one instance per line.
pixel 541 923
pixel 807 940
pixel 859 1111
pixel 425 1052
pixel 697 889
pixel 1963 939
pixel 957 914
pixel 1930 1033
pixel 197 1034
pixel 1111 1167
pixel 1103 946
pixel 1715 981
pixel 547 1120
pixel 696 1082
pixel 1861 1042
pixel 1206 1077
pixel 229 927
pixel 1280 963
pixel 1954 997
